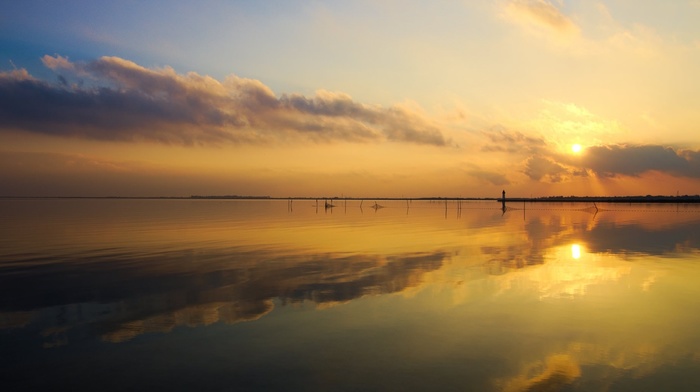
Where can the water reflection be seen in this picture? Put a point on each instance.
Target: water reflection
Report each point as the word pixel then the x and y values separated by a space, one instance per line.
pixel 121 297
pixel 555 373
pixel 552 297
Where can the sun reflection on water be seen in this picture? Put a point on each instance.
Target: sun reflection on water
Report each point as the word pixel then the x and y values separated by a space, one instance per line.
pixel 561 297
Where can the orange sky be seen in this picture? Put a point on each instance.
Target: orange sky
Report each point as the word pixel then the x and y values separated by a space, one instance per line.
pixel 367 99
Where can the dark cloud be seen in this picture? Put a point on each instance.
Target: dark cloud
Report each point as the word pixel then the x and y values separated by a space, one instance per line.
pixel 124 101
pixel 611 161
pixel 110 114
pixel 580 173
pixel 544 164
pixel 634 160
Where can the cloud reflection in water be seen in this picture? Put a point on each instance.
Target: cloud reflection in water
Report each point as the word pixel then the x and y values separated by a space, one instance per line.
pixel 138 295
pixel 489 300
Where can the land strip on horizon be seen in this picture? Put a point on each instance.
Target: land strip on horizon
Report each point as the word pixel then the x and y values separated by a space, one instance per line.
pixel 543 199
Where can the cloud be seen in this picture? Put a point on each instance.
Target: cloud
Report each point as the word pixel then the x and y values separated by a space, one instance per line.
pixel 490 177
pixel 541 14
pixel 538 167
pixel 120 100
pixel 570 121
pixel 19 75
pixel 545 160
pixel 57 62
pixel 557 372
pixel 503 140
pixel 613 161
pixel 634 160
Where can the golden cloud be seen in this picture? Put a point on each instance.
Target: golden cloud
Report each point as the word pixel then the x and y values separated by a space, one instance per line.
pixel 540 14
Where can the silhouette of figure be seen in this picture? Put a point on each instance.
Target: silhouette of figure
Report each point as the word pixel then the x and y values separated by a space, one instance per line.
pixel 503 201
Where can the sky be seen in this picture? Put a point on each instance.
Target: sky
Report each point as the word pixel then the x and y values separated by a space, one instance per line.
pixel 381 98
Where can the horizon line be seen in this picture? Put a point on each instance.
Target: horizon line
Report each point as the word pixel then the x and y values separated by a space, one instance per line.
pixel 572 198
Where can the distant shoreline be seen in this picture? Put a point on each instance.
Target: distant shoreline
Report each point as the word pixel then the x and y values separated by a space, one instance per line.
pixel 545 199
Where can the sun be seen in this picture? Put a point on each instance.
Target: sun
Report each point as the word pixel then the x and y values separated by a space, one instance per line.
pixel 576 148
pixel 576 251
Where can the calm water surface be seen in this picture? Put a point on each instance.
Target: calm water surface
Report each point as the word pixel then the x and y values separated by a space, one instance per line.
pixel 264 295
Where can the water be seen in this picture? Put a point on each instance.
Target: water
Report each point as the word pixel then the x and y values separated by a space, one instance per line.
pixel 263 295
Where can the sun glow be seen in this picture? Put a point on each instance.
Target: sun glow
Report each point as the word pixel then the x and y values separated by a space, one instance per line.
pixel 576 148
pixel 576 251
